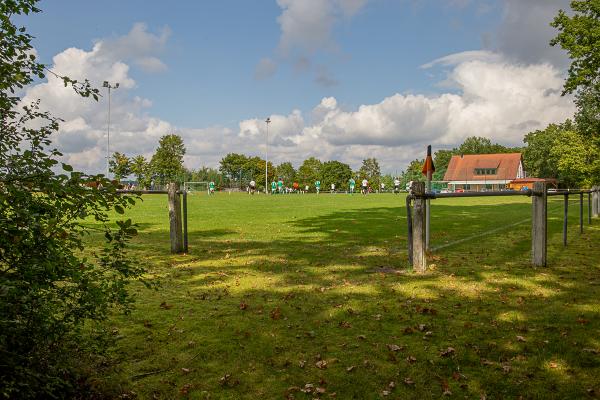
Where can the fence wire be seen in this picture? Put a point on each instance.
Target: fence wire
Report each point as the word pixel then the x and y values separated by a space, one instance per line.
pixel 483 220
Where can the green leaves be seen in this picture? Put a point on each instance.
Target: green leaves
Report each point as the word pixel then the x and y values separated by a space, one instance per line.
pixel 48 289
pixel 578 34
pixel 167 162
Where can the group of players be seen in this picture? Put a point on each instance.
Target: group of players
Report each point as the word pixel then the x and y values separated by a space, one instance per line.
pixel 279 188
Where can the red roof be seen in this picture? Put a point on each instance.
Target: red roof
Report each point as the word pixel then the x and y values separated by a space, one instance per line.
pixel 462 168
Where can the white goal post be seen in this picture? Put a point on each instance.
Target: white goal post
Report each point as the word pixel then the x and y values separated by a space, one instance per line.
pixel 195 187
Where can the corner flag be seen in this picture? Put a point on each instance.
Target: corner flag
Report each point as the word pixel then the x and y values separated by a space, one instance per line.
pixel 428 167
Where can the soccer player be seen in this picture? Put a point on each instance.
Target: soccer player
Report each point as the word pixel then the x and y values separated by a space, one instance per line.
pixel 318 186
pixel 280 186
pixel 365 186
pixel 295 187
pixel 352 183
pixel 306 189
pixel 252 187
pixel 273 187
pixel 211 187
pixel 396 185
pixel 382 187
pixel 333 188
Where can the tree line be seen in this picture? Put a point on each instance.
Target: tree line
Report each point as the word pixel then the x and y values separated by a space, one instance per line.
pixel 237 170
pixel 240 169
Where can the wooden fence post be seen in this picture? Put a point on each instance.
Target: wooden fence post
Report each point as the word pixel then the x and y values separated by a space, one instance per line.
pixel 589 208
pixel 185 222
pixel 565 219
pixel 539 224
pixel 175 227
pixel 410 230
pixel 595 201
pixel 419 258
pixel 581 212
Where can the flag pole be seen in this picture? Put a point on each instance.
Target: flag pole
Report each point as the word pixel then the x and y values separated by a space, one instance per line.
pixel 428 212
pixel 428 170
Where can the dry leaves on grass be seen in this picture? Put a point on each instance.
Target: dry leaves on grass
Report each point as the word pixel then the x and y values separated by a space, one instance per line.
pixel 185 389
pixel 345 324
pixel 446 388
pixel 395 347
pixel 276 313
pixel 387 391
pixel 448 352
pixel 310 388
pixel 227 380
pixel 425 310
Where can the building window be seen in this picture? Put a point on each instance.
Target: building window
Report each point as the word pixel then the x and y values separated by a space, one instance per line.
pixel 486 171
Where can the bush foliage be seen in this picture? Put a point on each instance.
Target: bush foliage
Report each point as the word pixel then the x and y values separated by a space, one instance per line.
pixel 50 284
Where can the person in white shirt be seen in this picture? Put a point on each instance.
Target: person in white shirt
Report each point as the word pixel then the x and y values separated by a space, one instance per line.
pixel 365 186
pixel 252 187
pixel 396 185
pixel 333 188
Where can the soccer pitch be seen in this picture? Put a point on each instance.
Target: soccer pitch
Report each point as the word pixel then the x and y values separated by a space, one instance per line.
pixel 309 296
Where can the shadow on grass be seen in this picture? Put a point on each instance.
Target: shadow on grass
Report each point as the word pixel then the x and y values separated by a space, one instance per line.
pixel 261 319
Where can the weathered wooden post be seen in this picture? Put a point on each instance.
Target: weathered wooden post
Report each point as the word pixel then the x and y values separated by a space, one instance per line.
pixel 539 224
pixel 595 197
pixel 565 218
pixel 175 228
pixel 418 223
pixel 185 220
pixel 589 208
pixel 581 212
pixel 410 229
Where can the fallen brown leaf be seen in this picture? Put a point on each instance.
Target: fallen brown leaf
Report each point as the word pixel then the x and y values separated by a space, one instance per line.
pixel 395 347
pixel 276 313
pixel 185 389
pixel 446 388
pixel 448 352
pixel 166 306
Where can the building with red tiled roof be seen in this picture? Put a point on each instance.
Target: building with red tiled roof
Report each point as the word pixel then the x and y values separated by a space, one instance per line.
pixel 478 172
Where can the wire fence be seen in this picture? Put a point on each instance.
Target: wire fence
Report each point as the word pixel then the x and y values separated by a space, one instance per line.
pixel 546 209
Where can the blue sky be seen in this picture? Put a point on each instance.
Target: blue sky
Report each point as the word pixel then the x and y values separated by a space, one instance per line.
pixel 213 71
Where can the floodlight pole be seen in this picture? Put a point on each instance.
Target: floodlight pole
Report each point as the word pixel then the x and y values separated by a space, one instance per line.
pixel 109 87
pixel 268 121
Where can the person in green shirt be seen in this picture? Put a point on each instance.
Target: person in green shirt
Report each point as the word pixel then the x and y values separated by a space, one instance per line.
pixel 280 186
pixel 352 184
pixel 273 187
pixel 318 186
pixel 211 187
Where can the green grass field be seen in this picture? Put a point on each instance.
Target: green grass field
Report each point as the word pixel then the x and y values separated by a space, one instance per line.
pixel 305 296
